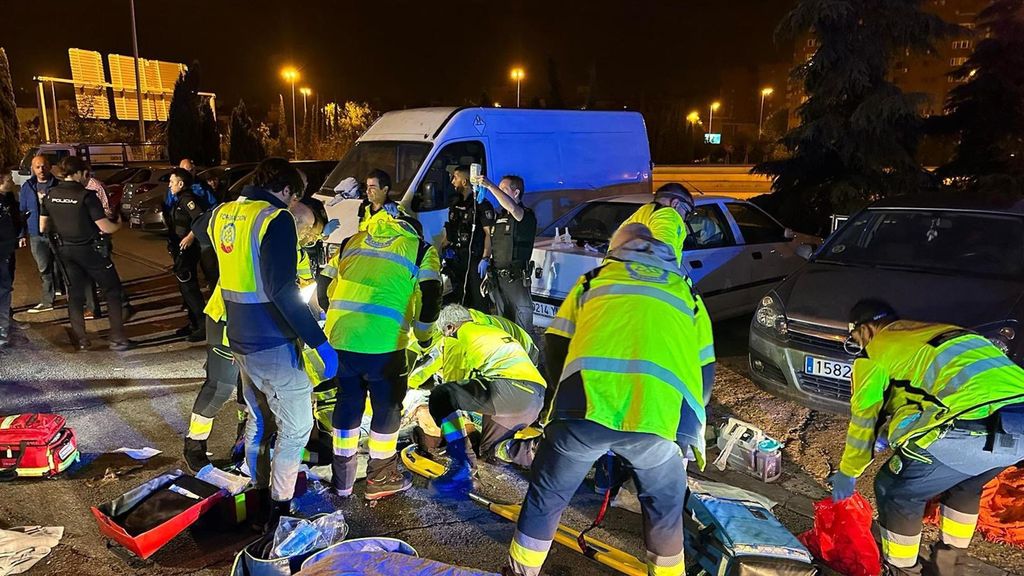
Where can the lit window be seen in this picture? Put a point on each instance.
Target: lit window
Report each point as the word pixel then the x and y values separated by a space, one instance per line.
pixel 958 61
pixel 961 44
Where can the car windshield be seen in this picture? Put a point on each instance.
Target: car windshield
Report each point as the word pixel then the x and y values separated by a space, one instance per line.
pixel 594 222
pixel 401 160
pixel 945 242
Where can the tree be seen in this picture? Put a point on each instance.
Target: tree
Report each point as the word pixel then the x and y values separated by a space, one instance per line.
pixel 209 154
pixel 9 128
pixel 859 132
pixel 555 99
pixel 986 112
pixel 245 143
pixel 184 125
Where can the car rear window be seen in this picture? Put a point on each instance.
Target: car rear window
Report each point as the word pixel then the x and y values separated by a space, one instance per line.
pixel 949 242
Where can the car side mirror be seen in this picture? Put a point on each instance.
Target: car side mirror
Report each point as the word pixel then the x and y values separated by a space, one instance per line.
pixel 805 251
pixel 788 234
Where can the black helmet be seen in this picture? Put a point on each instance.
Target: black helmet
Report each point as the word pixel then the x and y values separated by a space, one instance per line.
pixel 675 191
pixel 870 310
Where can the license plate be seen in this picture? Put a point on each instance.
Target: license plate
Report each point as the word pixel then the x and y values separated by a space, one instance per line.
pixel 542 309
pixel 827 368
pixel 136 221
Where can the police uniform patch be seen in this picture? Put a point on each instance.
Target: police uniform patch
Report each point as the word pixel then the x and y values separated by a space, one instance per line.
pixel 895 464
pixel 646 273
pixel 227 238
pixel 191 205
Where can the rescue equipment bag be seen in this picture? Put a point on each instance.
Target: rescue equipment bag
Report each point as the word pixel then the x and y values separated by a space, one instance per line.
pixel 35 445
pixel 740 538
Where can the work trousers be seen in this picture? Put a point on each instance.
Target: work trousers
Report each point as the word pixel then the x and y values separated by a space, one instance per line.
pixel 385 378
pixel 567 451
pixel 46 263
pixel 6 288
pixel 221 382
pixel 959 468
pixel 186 265
pixel 466 288
pixel 507 407
pixel 278 395
pixel 512 298
pixel 84 265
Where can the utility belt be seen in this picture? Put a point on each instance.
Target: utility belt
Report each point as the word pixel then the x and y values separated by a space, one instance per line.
pixel 99 243
pixel 1005 428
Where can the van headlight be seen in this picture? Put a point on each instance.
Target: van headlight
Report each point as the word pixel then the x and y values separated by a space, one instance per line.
pixel 770 316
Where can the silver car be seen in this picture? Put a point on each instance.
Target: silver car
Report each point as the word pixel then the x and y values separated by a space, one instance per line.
pixel 955 260
pixel 733 252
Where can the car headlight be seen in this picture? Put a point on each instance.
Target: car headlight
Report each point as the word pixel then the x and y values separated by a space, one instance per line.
pixel 770 316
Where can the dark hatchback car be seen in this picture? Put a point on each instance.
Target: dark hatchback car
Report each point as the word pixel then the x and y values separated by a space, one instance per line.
pixel 955 260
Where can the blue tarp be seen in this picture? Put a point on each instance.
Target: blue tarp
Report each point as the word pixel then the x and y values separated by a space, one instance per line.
pixel 378 557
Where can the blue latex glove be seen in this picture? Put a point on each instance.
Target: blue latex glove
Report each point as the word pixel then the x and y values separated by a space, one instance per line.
pixel 843 486
pixel 330 227
pixel 481 268
pixel 330 358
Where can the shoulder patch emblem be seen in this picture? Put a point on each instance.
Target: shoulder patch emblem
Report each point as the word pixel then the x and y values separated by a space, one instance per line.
pixel 645 273
pixel 191 205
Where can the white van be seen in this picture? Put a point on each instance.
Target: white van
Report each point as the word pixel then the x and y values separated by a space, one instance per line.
pixel 110 153
pixel 564 157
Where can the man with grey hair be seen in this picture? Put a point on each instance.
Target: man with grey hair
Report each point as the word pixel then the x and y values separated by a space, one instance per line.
pixel 460 313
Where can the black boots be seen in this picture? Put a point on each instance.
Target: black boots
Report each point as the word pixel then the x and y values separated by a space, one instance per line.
pixel 195 455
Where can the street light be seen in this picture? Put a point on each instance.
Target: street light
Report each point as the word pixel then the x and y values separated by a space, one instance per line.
pixel 518 74
pixel 711 114
pixel 693 117
pixel 290 74
pixel 305 92
pixel 766 92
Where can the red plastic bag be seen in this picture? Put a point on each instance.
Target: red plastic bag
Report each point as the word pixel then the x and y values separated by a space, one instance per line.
pixel 841 537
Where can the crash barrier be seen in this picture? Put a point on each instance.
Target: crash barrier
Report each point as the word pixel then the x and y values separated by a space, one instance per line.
pixel 35 445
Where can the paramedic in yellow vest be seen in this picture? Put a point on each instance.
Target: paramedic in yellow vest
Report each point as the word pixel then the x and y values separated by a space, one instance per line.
pixel 267 324
pixel 666 216
pixel 951 406
pixel 221 372
pixel 485 371
pixel 369 290
pixel 508 326
pixel 624 347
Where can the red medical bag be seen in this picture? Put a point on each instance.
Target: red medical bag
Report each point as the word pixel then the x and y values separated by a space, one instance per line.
pixel 35 445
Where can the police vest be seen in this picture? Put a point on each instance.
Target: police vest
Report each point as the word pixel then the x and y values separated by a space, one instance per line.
pixel 634 349
pixel 488 352
pixel 236 230
pixel 921 377
pixel 512 240
pixel 665 223
pixel 374 281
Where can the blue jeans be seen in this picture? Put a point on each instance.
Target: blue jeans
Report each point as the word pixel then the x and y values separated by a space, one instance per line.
pixel 46 263
pixel 278 394
pixel 566 454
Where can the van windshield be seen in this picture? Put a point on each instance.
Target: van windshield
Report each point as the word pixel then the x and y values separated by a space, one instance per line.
pixel 401 160
pixel 944 242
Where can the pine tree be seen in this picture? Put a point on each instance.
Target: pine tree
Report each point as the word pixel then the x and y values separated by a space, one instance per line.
pixel 859 132
pixel 184 131
pixel 986 112
pixel 9 129
pixel 245 143
pixel 210 137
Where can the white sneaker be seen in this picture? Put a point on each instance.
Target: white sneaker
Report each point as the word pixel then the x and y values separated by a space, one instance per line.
pixel 38 308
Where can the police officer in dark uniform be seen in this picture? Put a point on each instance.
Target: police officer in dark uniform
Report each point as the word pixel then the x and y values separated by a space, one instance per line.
pixel 467 243
pixel 180 215
pixel 74 217
pixel 10 231
pixel 515 228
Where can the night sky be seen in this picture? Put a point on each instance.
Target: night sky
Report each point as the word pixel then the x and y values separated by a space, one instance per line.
pixel 397 53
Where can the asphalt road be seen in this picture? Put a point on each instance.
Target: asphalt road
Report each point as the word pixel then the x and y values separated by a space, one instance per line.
pixel 143 397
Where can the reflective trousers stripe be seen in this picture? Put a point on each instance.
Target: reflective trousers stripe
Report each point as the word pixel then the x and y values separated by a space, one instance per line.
pixel 382 445
pixel 957 527
pixel 346 442
pixel 199 427
pixel 527 555
pixel 665 565
pixel 899 550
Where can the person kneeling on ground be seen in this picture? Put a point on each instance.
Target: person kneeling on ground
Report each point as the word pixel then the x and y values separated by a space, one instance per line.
pixel 486 371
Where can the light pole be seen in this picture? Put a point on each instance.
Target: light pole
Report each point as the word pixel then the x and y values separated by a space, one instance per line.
pixel 291 75
pixel 138 78
pixel 711 115
pixel 766 92
pixel 305 92
pixel 518 74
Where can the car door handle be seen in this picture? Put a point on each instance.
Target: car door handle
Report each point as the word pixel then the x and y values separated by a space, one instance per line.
pixel 756 255
pixel 696 264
